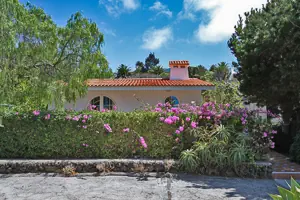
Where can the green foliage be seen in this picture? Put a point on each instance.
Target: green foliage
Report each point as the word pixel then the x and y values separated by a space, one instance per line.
pixel 220 72
pixel 266 47
pixel 189 160
pixel 42 63
pixel 197 72
pixel 139 65
pixel 29 136
pixel 292 194
pixel 218 148
pixel 225 92
pixel 123 71
pixel 150 62
pixel 295 149
pixel 157 70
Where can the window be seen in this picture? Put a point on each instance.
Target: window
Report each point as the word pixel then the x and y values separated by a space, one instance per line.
pixel 96 102
pixel 107 103
pixel 172 100
pixel 102 102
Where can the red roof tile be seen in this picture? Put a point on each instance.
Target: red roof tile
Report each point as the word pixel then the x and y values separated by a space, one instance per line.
pixel 145 82
pixel 179 62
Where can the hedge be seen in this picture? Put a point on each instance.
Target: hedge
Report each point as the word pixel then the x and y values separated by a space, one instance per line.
pixel 40 135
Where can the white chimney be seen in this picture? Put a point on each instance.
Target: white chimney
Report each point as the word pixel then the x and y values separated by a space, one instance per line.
pixel 179 70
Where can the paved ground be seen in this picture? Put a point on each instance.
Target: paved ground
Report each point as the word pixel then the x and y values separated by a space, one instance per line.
pixel 184 187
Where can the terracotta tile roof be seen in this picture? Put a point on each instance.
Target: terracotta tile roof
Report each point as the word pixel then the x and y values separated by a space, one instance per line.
pixel 145 82
pixel 179 62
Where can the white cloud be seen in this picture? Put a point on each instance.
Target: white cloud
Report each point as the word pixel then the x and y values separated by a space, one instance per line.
pixel 222 15
pixel 155 38
pixel 117 7
pixel 109 32
pixel 161 9
pixel 131 4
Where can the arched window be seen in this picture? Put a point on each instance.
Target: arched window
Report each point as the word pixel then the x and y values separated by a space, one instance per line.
pixel 102 102
pixel 172 100
pixel 107 103
pixel 96 102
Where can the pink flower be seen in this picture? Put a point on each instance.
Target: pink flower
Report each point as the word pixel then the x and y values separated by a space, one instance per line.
pixel 36 112
pixel 175 118
pixel 47 117
pixel 84 127
pixel 143 143
pixel 115 107
pixel 208 117
pixel 219 116
pixel 274 132
pixel 273 145
pixel 68 117
pixel 85 117
pixel 265 134
pixel 161 119
pixel 181 128
pixel 159 105
pixel 205 104
pixel 83 121
pixel 108 128
pixel 158 110
pixel 85 145
pixel 227 105
pixel 174 110
pixel 177 131
pixel 126 130
pixel 75 118
pixel 187 119
pixel 17 113
pixel 244 122
pixel 193 124
pixel 168 121
pixel 177 140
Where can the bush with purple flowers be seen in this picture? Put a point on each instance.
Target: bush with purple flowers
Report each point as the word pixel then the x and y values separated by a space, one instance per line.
pixel 210 135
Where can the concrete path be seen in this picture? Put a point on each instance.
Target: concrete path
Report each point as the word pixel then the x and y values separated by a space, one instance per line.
pixel 184 187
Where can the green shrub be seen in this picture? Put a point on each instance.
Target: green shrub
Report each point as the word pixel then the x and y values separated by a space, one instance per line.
pixel 295 149
pixel 30 136
pixel 292 194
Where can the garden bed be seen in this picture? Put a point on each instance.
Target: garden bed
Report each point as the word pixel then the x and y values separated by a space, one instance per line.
pixel 204 139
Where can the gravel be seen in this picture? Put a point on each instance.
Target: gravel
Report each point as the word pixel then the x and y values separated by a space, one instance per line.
pixel 189 187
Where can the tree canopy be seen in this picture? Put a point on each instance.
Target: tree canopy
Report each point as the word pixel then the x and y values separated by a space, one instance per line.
pixel 150 62
pixel 197 72
pixel 123 71
pixel 226 90
pixel 42 63
pixel 266 44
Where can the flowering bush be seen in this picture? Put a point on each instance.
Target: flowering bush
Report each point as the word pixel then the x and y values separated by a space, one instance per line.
pixel 213 135
pixel 88 134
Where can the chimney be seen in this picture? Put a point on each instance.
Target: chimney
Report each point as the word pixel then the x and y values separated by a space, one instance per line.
pixel 179 70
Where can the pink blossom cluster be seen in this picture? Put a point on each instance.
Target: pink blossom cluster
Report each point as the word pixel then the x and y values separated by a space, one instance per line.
pixel 108 128
pixel 143 143
pixel 126 130
pixel 36 112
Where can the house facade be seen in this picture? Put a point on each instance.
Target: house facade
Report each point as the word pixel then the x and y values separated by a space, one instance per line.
pixel 134 93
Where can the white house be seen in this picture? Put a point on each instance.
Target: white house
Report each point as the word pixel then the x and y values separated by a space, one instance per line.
pixel 129 94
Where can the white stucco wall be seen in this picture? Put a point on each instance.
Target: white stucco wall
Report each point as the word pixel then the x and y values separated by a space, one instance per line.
pixel 126 101
pixel 179 74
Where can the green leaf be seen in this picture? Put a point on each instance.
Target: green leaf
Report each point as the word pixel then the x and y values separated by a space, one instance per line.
pixel 286 194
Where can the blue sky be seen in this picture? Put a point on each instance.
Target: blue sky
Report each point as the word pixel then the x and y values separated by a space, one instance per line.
pixel 194 30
